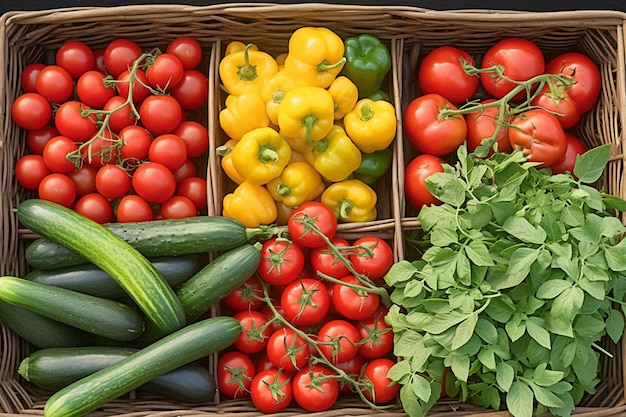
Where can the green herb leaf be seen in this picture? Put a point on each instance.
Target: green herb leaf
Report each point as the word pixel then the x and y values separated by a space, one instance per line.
pixel 519 400
pixel 590 165
pixel 524 230
pixel 504 376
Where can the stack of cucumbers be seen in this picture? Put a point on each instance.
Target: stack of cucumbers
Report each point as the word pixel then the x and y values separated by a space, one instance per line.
pixel 117 307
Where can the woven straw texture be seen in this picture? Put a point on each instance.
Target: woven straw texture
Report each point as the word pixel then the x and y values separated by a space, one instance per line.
pixel 28 37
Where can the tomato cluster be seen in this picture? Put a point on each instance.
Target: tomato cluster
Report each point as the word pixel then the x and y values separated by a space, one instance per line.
pixel 313 320
pixel 109 133
pixel 512 100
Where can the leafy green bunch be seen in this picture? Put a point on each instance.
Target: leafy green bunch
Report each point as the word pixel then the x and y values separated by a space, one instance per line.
pixel 521 274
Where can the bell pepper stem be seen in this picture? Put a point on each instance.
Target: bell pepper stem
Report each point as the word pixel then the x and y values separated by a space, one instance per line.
pixel 344 206
pixel 366 112
pixel 247 72
pixel 267 154
pixel 308 122
pixel 326 66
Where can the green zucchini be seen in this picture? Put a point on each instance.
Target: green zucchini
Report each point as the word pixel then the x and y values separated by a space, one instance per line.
pixel 53 369
pixel 90 279
pixel 170 237
pixel 100 316
pixel 122 262
pixel 186 345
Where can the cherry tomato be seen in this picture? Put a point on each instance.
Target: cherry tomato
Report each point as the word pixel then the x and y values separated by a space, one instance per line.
pixel 55 84
pixel 376 335
pixel 133 208
pixel 160 114
pixel 352 368
pixel 31 111
pixel 416 172
pixel 271 391
pixel 122 115
pixel 351 303
pixel 338 340
pixel 98 63
pixel 195 189
pixel 441 72
pixel 96 207
pixel 429 133
pixel 373 257
pixel 483 125
pixel 381 389
pixel 55 154
pixel 519 60
pixel 168 149
pixel 247 297
pixel 288 350
pixel 154 182
pixel 235 371
pixel 263 363
pixel 305 302
pixel 70 122
pixel 120 54
pixel 192 92
pixel 75 57
pixel 586 74
pixel 177 207
pixel 254 331
pixel 85 179
pixel 575 147
pixel 317 214
pixel 58 188
pixel 324 260
pixel 539 135
pixel 165 72
pixel 187 49
pixel 28 77
pixel 282 261
pixel 92 89
pixel 112 181
pixel 103 150
pixel 136 143
pixel 187 170
pixel 558 101
pixel 30 170
pixel 314 389
pixel 37 139
pixel 195 135
pixel 140 90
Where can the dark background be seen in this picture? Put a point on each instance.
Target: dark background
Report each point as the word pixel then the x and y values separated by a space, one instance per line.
pixel 520 5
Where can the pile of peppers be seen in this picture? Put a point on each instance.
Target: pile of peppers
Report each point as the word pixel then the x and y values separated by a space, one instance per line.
pixel 309 124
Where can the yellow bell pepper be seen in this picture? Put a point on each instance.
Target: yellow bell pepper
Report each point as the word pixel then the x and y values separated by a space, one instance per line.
pixel 274 90
pixel 335 157
pixel 298 183
pixel 243 113
pixel 246 69
pixel 227 161
pixel 345 95
pixel 261 155
pixel 280 60
pixel 351 201
pixel 371 124
pixel 284 212
pixel 251 204
pixel 315 55
pixel 306 113
pixel 238 46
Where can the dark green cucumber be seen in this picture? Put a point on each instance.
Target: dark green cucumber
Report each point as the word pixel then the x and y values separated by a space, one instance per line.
pixel 186 345
pixel 135 274
pixel 155 238
pixel 53 369
pixel 89 279
pixel 100 316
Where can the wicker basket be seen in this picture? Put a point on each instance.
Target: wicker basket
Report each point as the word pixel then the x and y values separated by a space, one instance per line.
pixel 409 32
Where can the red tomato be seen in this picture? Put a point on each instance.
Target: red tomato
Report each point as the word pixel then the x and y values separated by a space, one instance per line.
pixel 263 363
pixel 575 147
pixel 271 391
pixel 135 144
pixel 281 263
pixel 558 101
pixel 351 303
pixel 140 90
pixel 195 189
pixel 315 389
pixel 103 150
pixel 55 84
pixel 483 125
pixel 324 260
pixel 133 208
pixel 120 54
pixel 92 89
pixel 235 371
pixel 307 215
pixel 98 63
pixel 160 114
pixel 113 181
pixel 58 188
pixel 539 135
pixel 288 350
pixel 246 297
pixel 168 149
pixel 37 139
pixel 187 170
pixel 352 369
pixel 338 340
pixel 255 331
pixel 442 72
pixel 381 389
pixel 28 77
pixel 121 114
pixel 154 182
pixel 31 111
pixel 165 72
pixel 55 154
pixel 187 49
pixel 192 92
pixel 376 335
pixel 70 122
pixel 85 179
pixel 519 60
pixel 195 135
pixel 427 132
pixel 178 207
pixel 30 170
pixel 373 257
pixel 95 207
pixel 75 57
pixel 416 172
pixel 586 74
pixel 305 302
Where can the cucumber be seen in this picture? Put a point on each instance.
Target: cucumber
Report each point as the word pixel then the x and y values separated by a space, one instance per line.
pixel 122 262
pixel 89 279
pixel 100 316
pixel 53 369
pixel 170 237
pixel 186 345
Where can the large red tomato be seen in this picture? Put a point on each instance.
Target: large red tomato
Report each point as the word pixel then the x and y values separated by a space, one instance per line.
pixel 416 172
pixel 585 73
pixel 442 72
pixel 483 124
pixel 558 101
pixel 575 147
pixel 539 135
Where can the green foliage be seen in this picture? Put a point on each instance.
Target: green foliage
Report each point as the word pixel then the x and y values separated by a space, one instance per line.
pixel 521 274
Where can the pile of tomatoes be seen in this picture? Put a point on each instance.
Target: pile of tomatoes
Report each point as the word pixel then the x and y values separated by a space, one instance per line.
pixel 515 98
pixel 312 319
pixel 108 132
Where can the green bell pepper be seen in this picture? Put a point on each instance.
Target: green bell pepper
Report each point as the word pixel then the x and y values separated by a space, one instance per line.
pixel 373 166
pixel 379 95
pixel 367 62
